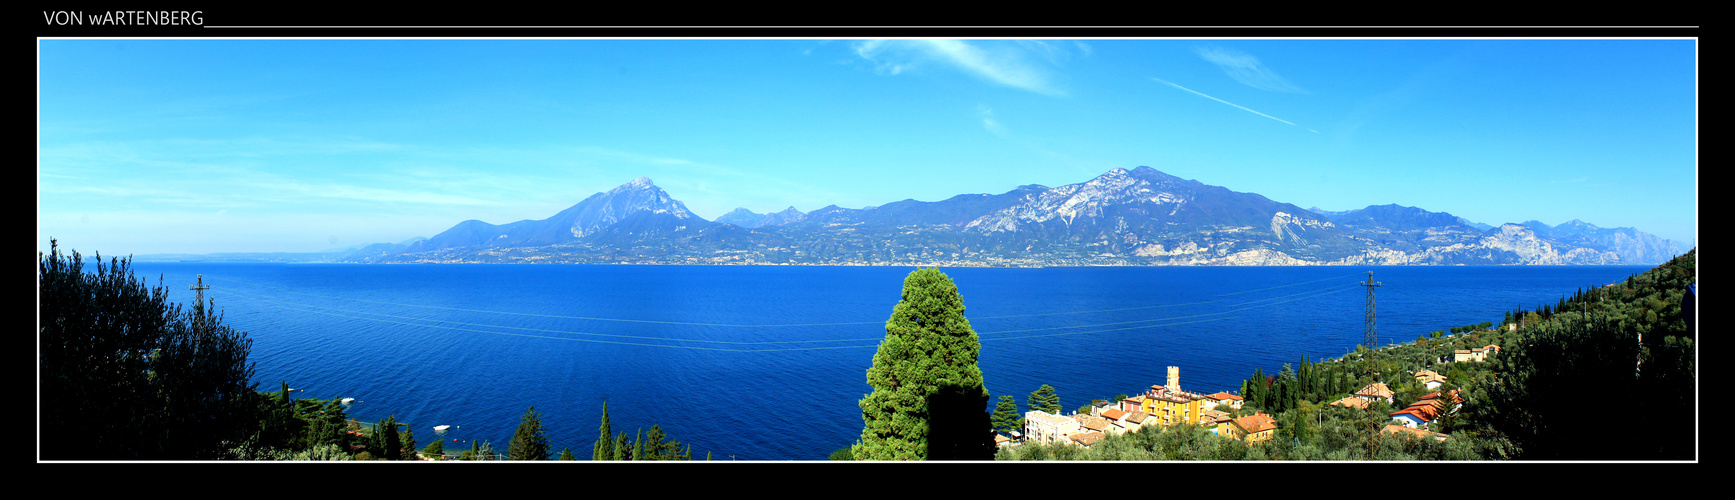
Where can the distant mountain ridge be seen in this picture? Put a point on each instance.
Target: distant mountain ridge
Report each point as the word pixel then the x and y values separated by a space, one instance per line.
pixel 1123 217
pixel 595 214
pixel 746 218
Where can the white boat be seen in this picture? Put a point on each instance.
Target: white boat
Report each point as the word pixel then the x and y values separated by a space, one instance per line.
pixel 441 428
pixel 348 400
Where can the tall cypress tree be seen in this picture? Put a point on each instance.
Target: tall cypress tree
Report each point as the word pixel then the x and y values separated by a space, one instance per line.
pixel 928 399
pixel 409 442
pixel 528 442
pixel 604 449
pixel 385 441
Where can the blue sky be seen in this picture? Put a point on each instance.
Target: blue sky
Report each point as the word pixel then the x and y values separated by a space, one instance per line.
pixel 211 145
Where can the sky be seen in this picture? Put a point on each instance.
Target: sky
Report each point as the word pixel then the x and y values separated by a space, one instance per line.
pixel 149 146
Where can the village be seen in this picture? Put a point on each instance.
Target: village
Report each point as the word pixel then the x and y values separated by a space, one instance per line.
pixel 1168 405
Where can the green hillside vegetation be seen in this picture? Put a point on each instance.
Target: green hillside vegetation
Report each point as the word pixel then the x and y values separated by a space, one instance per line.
pixel 1544 396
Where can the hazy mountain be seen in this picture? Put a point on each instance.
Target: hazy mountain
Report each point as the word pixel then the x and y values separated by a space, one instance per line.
pixel 1123 217
pixel 746 218
pixel 596 213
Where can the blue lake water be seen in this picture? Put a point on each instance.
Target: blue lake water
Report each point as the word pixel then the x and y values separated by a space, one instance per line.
pixel 768 362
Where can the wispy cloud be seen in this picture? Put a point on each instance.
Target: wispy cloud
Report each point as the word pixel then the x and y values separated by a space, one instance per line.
pixel 1243 108
pixel 1009 64
pixel 989 123
pixel 1245 68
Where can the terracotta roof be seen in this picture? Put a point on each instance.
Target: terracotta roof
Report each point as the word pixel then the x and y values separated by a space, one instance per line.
pixel 1424 410
pixel 1376 389
pixel 1213 416
pixel 1256 422
pixel 1224 396
pixel 1426 376
pixel 1352 402
pixel 1098 424
pixel 1086 438
pixel 1456 397
pixel 1137 417
pixel 1113 414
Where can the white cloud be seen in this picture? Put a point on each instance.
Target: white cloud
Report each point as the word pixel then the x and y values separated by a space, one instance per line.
pixel 1008 64
pixel 1245 68
pixel 988 122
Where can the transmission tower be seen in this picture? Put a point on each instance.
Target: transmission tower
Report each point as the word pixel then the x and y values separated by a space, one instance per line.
pixel 1371 337
pixel 199 307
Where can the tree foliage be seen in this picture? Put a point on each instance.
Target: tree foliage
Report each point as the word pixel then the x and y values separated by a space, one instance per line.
pixel 1593 340
pixel 604 448
pixel 1006 417
pixel 928 399
pixel 1044 399
pixel 529 442
pixel 125 374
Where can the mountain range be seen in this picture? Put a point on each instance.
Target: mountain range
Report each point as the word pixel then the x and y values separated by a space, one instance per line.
pixel 1124 217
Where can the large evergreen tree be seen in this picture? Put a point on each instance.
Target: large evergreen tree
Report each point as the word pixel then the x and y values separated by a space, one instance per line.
pixel 385 439
pixel 928 400
pixel 1044 399
pixel 528 442
pixel 1006 417
pixel 125 374
pixel 409 443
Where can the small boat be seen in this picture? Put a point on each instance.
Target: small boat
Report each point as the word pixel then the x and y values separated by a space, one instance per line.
pixel 441 428
pixel 348 400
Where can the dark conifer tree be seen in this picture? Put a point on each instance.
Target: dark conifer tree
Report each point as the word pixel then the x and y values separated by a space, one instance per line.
pixel 529 442
pixel 1044 399
pixel 409 438
pixel 125 374
pixel 1006 417
pixel 386 439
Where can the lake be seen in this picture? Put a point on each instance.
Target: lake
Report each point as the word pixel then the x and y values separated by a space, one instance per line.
pixel 768 362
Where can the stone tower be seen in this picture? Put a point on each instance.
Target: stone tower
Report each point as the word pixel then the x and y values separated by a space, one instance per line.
pixel 1174 384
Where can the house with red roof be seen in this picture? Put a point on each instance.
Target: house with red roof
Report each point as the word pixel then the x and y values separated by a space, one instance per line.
pixel 1252 428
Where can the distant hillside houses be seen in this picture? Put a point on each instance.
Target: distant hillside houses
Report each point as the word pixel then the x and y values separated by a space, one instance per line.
pixel 1168 405
pixel 1478 354
pixel 1252 428
pixel 1428 408
pixel 1376 390
pixel 1162 405
pixel 1430 379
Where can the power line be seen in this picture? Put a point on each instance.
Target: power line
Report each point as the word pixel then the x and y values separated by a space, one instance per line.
pixel 684 323
pixel 314 309
pixel 304 308
pixel 1289 285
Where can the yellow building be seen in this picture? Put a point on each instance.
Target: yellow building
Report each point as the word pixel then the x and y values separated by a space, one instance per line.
pixel 1252 428
pixel 1171 407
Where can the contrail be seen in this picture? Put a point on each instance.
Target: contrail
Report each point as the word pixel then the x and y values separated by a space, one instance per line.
pixel 1243 108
